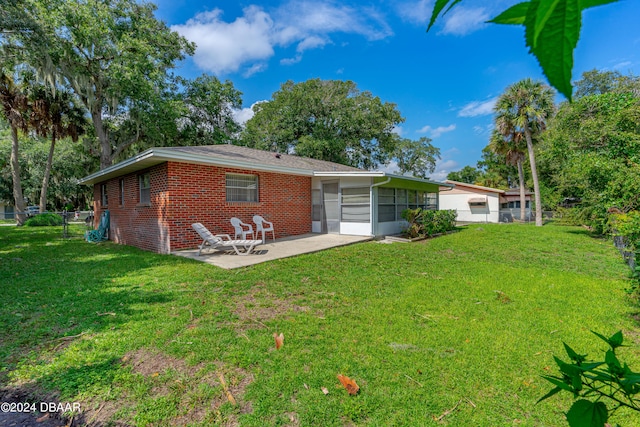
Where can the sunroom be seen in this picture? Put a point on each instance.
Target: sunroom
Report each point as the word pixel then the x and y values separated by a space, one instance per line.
pixel 367 203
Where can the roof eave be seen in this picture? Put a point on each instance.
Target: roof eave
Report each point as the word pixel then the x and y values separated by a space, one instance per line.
pixel 155 156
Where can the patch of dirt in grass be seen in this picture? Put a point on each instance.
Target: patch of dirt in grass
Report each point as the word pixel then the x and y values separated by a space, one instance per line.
pixel 148 363
pixel 231 384
pixel 259 305
pixel 228 385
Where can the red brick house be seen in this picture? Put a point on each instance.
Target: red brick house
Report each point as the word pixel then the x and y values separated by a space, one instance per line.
pixel 154 197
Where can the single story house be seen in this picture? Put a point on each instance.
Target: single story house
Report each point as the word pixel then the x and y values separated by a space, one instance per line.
pixel 475 203
pixel 154 197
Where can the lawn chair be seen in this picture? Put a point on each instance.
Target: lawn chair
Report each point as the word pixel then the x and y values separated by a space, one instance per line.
pixel 218 241
pixel 262 225
pixel 102 232
pixel 239 228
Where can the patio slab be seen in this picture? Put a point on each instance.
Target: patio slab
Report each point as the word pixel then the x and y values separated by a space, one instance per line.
pixel 280 248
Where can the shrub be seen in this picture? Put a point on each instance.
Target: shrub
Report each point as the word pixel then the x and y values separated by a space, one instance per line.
pixel 627 225
pixel 44 219
pixel 426 223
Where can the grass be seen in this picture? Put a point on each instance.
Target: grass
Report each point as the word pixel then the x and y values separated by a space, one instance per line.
pixel 450 331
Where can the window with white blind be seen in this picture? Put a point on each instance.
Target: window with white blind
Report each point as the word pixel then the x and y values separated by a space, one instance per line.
pixel 355 204
pixel 242 188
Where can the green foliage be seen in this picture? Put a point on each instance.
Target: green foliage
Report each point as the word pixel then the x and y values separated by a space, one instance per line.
pixel 327 120
pixel 417 158
pixel 114 55
pixel 552 30
pixel 467 174
pixel 427 223
pixel 591 152
pixel 208 116
pixel 596 382
pixel 46 219
pixel 627 225
pixel 70 161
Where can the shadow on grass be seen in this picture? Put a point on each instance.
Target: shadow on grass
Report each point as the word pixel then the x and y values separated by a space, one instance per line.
pixel 50 409
pixel 57 292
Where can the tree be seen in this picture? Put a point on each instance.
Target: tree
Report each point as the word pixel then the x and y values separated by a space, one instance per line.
pixel 327 120
pixel 208 116
pixel 416 157
pixel 591 153
pixel 55 115
pixel 528 105
pixel 15 108
pixel 467 174
pixel 506 140
pixel 597 82
pixel 552 30
pixel 114 55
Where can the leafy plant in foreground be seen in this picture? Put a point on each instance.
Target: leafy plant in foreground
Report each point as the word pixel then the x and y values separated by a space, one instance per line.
pixel 595 383
pixel 425 222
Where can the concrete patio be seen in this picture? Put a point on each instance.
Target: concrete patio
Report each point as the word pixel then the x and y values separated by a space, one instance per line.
pixel 280 248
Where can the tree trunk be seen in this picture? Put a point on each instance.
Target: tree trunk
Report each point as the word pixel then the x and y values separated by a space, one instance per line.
pixel 20 208
pixel 47 174
pixel 103 139
pixel 523 200
pixel 534 176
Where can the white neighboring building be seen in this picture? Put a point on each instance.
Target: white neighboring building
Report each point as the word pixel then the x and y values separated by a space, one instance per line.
pixel 476 203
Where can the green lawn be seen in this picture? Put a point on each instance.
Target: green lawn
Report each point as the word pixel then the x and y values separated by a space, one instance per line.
pixel 453 331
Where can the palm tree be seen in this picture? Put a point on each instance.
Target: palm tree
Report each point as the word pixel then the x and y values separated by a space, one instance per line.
pixel 507 141
pixel 15 107
pixel 529 104
pixel 55 114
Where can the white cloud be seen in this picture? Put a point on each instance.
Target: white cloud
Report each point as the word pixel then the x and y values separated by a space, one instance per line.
pixel 623 64
pixel 417 12
pixel 461 21
pixel 482 130
pixel 391 168
pixel 443 167
pixel 223 47
pixel 478 108
pixel 436 132
pixel 250 40
pixel 244 114
pixel 398 130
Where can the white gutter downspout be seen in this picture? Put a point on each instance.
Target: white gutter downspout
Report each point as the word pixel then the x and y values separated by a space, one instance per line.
pixel 374 224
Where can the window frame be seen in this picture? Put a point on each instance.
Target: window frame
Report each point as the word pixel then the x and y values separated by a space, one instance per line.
pixel 252 194
pixel 144 191
pixel 121 186
pixel 104 197
pixel 356 205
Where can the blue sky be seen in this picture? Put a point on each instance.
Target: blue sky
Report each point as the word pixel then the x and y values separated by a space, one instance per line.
pixel 444 82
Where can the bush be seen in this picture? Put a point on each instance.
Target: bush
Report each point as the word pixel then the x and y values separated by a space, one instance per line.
pixel 43 220
pixel 627 225
pixel 426 223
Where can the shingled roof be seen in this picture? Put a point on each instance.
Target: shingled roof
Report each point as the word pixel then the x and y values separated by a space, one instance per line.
pixel 225 155
pixel 251 155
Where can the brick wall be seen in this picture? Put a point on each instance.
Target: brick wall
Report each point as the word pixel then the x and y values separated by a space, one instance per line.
pixel 143 225
pixel 183 193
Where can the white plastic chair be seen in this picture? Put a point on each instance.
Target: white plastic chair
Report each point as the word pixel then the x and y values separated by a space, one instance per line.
pixel 239 228
pixel 218 241
pixel 262 225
